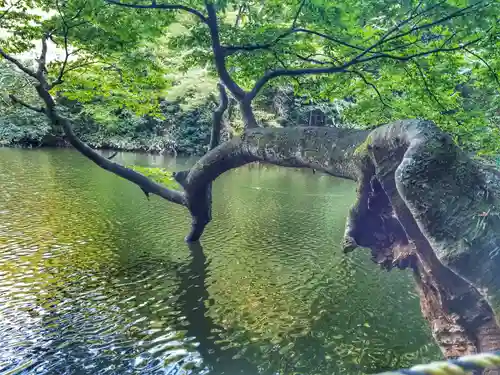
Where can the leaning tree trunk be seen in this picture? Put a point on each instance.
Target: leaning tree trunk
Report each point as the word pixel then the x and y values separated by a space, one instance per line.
pixel 422 205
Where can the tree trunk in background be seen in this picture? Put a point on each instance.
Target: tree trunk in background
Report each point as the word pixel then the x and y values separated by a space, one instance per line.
pixel 422 205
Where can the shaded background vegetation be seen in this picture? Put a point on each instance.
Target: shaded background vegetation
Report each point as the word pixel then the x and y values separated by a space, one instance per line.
pixel 182 126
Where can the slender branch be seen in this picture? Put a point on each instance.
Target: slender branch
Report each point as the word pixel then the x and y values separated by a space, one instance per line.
pixel 154 5
pixel 459 13
pixel 311 60
pixel 238 16
pixel 66 51
pixel 427 87
pixel 5 12
pixel 342 68
pixel 113 155
pixel 490 68
pixel 230 50
pixel 16 100
pixel 283 64
pixel 387 36
pixel 297 14
pixel 372 85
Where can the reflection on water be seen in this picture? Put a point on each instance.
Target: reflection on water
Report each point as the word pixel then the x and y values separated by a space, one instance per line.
pixel 95 279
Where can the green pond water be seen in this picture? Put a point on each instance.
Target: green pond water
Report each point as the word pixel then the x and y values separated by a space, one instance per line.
pixel 96 279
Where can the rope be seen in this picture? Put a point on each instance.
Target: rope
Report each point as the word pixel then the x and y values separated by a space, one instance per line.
pixel 460 366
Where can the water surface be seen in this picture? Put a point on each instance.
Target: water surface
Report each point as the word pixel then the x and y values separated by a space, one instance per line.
pixel 96 279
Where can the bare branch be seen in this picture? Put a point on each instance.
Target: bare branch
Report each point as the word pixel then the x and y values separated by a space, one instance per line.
pixel 17 63
pixel 154 5
pixel 112 155
pixel 490 68
pixel 295 19
pixel 16 100
pixel 372 85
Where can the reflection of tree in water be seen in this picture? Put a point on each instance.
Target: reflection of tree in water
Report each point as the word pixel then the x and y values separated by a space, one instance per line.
pixel 191 303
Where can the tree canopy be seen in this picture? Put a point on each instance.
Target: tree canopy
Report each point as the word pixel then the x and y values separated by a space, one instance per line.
pixel 387 60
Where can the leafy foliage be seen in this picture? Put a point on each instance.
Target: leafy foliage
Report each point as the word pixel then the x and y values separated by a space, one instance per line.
pixel 125 63
pixel 160 175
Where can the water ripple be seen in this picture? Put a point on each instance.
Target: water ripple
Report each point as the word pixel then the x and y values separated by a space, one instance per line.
pixel 95 279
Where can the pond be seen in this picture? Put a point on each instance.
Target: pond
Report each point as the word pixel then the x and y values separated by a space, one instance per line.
pixel 97 279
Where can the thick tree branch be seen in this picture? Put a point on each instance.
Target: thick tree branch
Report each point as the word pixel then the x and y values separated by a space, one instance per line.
pixel 42 61
pixel 217 117
pixel 219 56
pixel 17 63
pixel 154 5
pixel 147 185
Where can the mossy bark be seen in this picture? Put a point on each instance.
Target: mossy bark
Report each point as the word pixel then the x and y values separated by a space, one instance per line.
pixel 422 205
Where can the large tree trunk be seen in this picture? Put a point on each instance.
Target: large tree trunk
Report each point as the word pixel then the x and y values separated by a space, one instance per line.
pixel 420 206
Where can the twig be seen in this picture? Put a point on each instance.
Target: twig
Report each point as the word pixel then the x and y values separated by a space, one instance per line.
pixel 294 23
pixel 427 87
pixel 490 68
pixel 112 155
pixel 372 85
pixel 154 5
pixel 342 68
